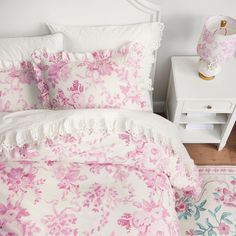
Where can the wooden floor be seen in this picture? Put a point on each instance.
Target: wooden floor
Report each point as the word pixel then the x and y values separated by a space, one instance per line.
pixel 207 154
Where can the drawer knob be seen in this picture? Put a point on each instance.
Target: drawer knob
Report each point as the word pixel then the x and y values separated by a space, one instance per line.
pixel 209 107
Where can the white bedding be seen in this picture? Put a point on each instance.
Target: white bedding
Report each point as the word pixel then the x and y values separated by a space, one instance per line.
pixel 91 172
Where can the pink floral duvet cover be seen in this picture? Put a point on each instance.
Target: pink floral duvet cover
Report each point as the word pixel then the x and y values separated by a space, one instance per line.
pixel 91 172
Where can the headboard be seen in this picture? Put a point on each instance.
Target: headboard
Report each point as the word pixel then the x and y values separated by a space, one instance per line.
pixel 27 17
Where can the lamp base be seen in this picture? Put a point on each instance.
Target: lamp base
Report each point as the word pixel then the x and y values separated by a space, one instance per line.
pixel 202 76
pixel 207 70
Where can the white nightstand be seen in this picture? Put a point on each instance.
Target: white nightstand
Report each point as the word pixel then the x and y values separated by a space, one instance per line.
pixel 204 111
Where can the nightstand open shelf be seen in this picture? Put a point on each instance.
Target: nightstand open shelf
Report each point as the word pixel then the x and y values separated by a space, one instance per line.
pixel 203 111
pixel 200 136
pixel 218 119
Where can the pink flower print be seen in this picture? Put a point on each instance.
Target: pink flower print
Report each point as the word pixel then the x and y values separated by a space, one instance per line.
pixel 61 100
pixel 75 98
pixel 2 166
pixel 158 211
pixel 181 206
pixel 233 182
pixel 102 55
pixel 149 206
pixel 61 223
pixel 50 163
pixel 125 89
pixel 71 139
pixel 25 152
pixel 223 229
pixel 225 191
pixel 149 178
pixel 207 36
pixel 151 150
pixel 5 106
pixel 44 91
pixel 135 97
pixel 188 192
pixel 69 179
pixel 141 222
pixel 57 72
pixel 203 51
pixel 11 217
pixel 77 87
pixel 121 175
pixel 228 48
pixel 102 63
pixel 190 232
pixel 25 74
pixel 94 197
pixel 226 196
pixel 125 136
pixel 18 179
pixel 125 221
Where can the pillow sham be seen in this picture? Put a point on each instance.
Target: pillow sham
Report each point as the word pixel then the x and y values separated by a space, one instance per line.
pixel 101 79
pixel 18 90
pixel 20 49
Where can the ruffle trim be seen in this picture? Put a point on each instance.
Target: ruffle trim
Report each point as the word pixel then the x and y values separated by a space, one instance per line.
pixel 150 60
pixel 74 125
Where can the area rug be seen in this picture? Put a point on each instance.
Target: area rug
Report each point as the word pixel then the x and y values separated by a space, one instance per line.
pixel 214 213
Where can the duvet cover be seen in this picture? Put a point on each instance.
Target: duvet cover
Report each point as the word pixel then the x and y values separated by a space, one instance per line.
pixel 91 172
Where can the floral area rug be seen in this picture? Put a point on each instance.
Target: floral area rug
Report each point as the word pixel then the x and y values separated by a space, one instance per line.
pixel 214 213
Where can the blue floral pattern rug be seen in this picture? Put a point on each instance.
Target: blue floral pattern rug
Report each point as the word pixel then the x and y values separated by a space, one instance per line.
pixel 214 213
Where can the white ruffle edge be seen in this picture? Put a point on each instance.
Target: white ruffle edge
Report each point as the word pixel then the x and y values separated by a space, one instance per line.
pixel 35 127
pixel 73 125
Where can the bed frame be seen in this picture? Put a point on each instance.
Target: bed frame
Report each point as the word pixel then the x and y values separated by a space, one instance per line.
pixel 27 17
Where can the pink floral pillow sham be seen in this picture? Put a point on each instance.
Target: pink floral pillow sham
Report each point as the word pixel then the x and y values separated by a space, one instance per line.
pixel 101 79
pixel 18 89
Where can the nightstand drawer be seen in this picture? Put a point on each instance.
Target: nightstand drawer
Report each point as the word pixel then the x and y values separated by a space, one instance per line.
pixel 208 106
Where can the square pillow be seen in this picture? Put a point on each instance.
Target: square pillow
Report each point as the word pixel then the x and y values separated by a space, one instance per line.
pixel 18 90
pixel 99 79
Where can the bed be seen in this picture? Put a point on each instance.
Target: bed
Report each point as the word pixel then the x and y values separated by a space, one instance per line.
pixel 83 169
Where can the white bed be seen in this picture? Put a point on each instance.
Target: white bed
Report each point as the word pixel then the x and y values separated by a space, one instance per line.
pixel 88 171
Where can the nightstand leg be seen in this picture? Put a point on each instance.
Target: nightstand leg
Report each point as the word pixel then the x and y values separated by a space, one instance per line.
pixel 221 146
pixel 227 129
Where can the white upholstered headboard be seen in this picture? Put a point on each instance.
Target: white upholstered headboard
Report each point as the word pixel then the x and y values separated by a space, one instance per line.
pixel 28 17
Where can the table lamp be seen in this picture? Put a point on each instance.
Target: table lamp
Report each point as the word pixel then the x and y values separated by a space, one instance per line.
pixel 217 44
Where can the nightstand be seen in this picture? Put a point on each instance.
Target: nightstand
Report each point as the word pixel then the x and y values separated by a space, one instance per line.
pixel 204 111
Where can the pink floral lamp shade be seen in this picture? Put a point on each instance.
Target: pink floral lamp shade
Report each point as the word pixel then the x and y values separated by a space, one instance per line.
pixel 217 44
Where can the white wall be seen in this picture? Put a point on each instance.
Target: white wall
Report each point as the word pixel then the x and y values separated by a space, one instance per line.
pixel 184 20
